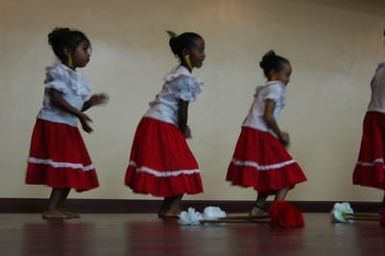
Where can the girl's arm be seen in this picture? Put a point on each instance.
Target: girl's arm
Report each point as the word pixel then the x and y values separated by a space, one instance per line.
pixel 268 116
pixel 58 100
pixel 94 100
pixel 182 118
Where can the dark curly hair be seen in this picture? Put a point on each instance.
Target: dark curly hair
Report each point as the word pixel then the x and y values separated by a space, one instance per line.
pixel 183 41
pixel 65 38
pixel 271 61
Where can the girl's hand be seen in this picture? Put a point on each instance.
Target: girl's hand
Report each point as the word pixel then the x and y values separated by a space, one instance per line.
pixel 98 99
pixel 284 138
pixel 84 120
pixel 187 132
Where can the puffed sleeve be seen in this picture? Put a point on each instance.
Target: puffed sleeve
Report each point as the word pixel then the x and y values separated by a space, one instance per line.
pixel 379 76
pixel 56 79
pixel 186 88
pixel 273 92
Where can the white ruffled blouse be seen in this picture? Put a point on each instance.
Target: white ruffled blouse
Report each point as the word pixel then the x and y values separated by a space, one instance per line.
pixel 273 90
pixel 377 100
pixel 179 84
pixel 74 87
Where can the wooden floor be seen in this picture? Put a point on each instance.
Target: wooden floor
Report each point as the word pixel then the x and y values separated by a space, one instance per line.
pixel 143 234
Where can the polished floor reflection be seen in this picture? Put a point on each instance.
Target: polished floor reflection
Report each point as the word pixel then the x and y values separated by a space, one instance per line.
pixel 143 234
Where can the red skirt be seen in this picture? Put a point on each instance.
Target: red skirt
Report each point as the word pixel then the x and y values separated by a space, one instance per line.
pixel 370 169
pixel 58 158
pixel 262 162
pixel 161 163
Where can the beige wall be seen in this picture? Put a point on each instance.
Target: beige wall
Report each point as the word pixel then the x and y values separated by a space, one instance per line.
pixel 333 48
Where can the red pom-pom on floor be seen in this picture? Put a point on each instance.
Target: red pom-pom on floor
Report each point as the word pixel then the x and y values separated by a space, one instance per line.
pixel 285 215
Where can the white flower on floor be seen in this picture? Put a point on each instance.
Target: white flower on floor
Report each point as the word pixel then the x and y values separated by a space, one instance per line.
pixel 190 217
pixel 213 213
pixel 339 212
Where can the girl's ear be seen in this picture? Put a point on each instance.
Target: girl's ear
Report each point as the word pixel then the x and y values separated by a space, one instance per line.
pixel 185 52
pixel 273 75
pixel 67 51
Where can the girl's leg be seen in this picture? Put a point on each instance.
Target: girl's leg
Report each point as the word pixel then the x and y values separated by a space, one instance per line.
pixel 61 205
pixel 175 204
pixel 259 208
pixel 281 194
pixel 52 210
pixel 63 197
pixel 170 207
pixel 165 206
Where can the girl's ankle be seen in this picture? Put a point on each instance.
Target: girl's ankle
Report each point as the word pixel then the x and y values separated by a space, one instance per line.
pixel 260 205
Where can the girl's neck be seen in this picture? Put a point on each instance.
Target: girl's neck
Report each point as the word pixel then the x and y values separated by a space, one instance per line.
pixel 70 67
pixel 275 80
pixel 186 66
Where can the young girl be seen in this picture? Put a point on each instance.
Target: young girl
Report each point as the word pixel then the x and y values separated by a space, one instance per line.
pixel 58 157
pixel 370 168
pixel 260 159
pixel 161 163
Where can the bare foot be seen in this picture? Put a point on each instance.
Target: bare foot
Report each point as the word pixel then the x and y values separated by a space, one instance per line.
pixel 70 214
pixel 54 215
pixel 257 212
pixel 168 214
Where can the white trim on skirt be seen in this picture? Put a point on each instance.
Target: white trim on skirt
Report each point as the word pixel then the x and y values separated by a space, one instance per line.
pixel 161 173
pixel 367 164
pixel 263 167
pixel 54 164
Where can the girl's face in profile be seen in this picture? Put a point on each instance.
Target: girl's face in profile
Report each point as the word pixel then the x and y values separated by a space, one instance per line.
pixel 197 53
pixel 284 73
pixel 82 54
